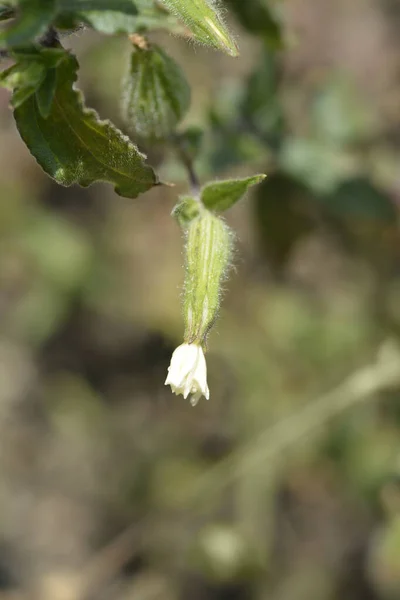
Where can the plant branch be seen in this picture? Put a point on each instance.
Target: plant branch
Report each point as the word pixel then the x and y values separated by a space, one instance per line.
pixel 49 39
pixel 187 162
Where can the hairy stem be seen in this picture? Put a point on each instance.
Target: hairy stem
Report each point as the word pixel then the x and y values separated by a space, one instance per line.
pixel 187 162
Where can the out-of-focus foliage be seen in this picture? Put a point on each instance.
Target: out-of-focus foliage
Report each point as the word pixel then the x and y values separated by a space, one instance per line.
pixel 112 488
pixel 258 18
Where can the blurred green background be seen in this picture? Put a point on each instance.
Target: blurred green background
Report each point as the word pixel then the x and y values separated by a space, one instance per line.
pixel 110 487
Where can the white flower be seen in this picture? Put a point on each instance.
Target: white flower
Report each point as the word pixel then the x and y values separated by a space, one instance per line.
pixel 187 373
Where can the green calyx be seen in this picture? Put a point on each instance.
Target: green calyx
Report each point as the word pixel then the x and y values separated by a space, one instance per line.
pixel 208 252
pixel 156 93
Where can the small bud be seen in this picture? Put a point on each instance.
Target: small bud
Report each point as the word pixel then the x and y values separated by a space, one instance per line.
pixel 208 252
pixel 187 373
pixel 204 21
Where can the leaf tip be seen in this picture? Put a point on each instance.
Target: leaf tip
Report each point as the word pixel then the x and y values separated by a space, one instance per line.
pixel 259 178
pixel 223 38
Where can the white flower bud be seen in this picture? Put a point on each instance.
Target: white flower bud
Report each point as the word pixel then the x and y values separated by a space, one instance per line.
pixel 207 257
pixel 187 373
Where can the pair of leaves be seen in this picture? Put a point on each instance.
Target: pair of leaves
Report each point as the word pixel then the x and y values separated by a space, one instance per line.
pixel 69 141
pixel 217 196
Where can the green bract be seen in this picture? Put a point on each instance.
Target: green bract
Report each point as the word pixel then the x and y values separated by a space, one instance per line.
pixel 156 94
pixel 221 195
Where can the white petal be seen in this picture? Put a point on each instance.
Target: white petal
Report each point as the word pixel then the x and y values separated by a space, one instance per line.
pixel 195 398
pixel 187 373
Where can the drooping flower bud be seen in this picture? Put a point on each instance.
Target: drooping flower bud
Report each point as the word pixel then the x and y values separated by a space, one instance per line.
pixel 208 253
pixel 207 256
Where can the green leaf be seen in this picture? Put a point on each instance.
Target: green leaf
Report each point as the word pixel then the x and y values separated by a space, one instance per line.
pixel 358 199
pixel 203 20
pixel 186 210
pixel 73 146
pixel 21 95
pixel 125 6
pixel 107 16
pixel 262 85
pixel 319 165
pixel 34 18
pixel 221 195
pixel 31 72
pixel 156 94
pixel 284 212
pixel 261 107
pixel 109 22
pixel 368 218
pixel 340 115
pixel 153 16
pixel 48 57
pixel 147 15
pixel 23 78
pixel 121 16
pixel 12 77
pixel 45 93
